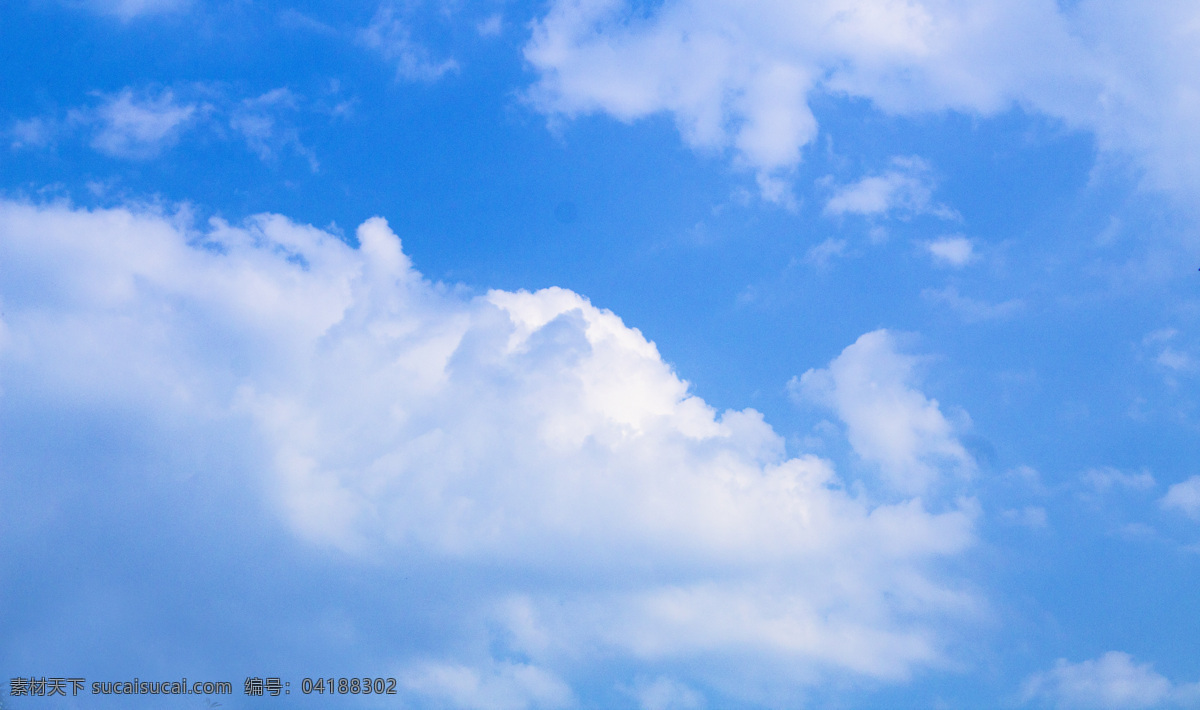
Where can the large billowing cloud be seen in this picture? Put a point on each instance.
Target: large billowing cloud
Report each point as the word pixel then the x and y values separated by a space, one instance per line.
pixel 531 436
pixel 736 76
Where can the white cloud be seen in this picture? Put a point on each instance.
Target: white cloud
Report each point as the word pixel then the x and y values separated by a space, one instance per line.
pixel 258 120
pixel 130 9
pixel 500 686
pixel 1163 335
pixel 529 435
pixel 391 37
pixel 736 76
pixel 1184 497
pixel 871 386
pixel 130 126
pixel 906 189
pixel 825 252
pixel 141 124
pixel 292 18
pixel 1111 682
pixel 1029 478
pixel 1174 359
pixel 667 694
pixel 1107 477
pixel 33 132
pixel 1030 516
pixel 955 252
pixel 492 26
pixel 970 309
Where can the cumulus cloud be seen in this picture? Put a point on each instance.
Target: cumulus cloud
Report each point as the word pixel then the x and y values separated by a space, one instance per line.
pixel 390 36
pixel 1184 497
pixel 737 76
pixel 890 423
pixel 1112 682
pixel 531 436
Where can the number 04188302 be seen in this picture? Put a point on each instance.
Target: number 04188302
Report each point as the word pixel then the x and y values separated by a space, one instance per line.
pixel 349 686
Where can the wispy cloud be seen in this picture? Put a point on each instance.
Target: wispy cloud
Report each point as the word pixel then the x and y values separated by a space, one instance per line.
pixel 498 685
pixel 1170 354
pixel 1032 516
pixel 36 132
pixel 1107 478
pixel 492 26
pixel 131 9
pixel 872 388
pixel 821 254
pixel 970 309
pixel 904 190
pixel 137 126
pixel 390 35
pixel 142 124
pixel 1184 497
pixel 1113 681
pixel 952 251
pixel 666 694
pixel 259 121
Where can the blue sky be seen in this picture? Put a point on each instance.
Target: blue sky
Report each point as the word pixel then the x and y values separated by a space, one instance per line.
pixel 602 354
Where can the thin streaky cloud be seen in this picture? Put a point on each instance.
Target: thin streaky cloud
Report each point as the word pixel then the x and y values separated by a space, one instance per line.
pixel 390 35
